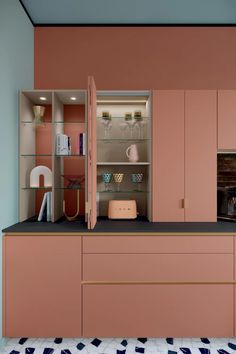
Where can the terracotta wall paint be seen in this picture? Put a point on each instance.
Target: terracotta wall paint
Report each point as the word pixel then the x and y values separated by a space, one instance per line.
pixel 135 57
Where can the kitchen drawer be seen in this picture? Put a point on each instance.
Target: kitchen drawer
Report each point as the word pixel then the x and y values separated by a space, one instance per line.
pixel 158 244
pixel 158 311
pixel 158 267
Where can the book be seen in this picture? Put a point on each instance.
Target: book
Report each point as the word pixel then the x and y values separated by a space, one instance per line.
pixel 63 145
pixel 43 207
pixel 49 206
pixel 82 144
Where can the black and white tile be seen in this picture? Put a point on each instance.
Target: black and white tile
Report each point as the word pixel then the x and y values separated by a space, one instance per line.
pixel 118 346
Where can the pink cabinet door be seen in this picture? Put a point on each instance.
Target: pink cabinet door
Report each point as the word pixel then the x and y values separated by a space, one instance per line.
pixel 42 286
pixel 168 155
pixel 158 310
pixel 200 155
pixel 226 119
pixel 92 154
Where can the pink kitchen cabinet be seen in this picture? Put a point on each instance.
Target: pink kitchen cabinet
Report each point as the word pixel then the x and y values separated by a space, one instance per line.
pixel 184 155
pixel 226 119
pixel 42 286
pixel 168 155
pixel 154 310
pixel 200 155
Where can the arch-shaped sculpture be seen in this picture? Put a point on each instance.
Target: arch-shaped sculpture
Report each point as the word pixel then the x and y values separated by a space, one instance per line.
pixel 37 172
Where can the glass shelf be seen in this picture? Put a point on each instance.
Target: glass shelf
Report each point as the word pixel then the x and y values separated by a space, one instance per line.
pixel 31 122
pixel 120 192
pixel 30 155
pixel 46 188
pixel 50 155
pixel 122 163
pixel 122 140
pixel 143 118
pixel 36 188
pixel 71 155
pixel 59 122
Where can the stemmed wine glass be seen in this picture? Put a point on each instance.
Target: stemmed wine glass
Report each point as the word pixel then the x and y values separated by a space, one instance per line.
pixel 118 178
pixel 106 177
pixel 137 178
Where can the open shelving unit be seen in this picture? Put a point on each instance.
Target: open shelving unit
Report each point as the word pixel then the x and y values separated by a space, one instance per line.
pixel 38 147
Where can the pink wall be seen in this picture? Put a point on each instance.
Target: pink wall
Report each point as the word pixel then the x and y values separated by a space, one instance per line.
pixel 135 57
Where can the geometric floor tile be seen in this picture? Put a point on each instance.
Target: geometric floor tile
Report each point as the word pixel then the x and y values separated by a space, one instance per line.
pixel 118 346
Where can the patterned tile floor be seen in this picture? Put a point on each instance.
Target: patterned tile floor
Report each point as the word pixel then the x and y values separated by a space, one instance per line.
pixel 118 346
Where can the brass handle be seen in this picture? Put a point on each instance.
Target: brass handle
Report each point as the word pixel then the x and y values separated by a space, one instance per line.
pixel 184 203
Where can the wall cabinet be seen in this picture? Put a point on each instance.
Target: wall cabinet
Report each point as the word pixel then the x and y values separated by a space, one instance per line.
pixel 185 155
pixel 226 119
pixel 112 121
pixel 42 286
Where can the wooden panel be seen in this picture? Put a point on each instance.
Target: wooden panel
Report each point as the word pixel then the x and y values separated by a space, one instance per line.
pixel 226 119
pixel 158 267
pixel 158 310
pixel 200 156
pixel 42 288
pixel 92 154
pixel 158 244
pixel 168 155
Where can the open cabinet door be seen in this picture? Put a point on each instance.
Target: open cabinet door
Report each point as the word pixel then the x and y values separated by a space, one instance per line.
pixel 92 154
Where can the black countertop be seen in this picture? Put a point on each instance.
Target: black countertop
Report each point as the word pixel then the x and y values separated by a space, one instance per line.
pixel 122 226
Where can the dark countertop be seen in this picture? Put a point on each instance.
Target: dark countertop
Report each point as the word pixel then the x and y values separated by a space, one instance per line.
pixel 122 226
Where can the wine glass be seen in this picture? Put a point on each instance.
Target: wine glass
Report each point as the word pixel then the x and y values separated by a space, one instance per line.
pixel 106 121
pixel 106 177
pixel 137 178
pixel 118 178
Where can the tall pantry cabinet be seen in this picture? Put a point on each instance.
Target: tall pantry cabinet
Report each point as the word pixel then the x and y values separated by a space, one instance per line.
pixel 185 151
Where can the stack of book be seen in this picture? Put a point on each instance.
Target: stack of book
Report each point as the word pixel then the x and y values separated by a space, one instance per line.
pixel 45 213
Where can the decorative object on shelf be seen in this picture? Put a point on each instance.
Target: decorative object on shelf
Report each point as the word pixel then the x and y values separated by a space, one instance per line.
pixel 106 121
pixel 122 209
pixel 63 145
pixel 132 153
pixel 138 115
pixel 73 217
pixel 40 171
pixel 139 124
pixel 45 213
pixel 106 115
pixel 118 178
pixel 38 116
pixel 74 181
pixel 128 116
pixel 81 144
pixel 137 178
pixel 106 177
pixel 127 124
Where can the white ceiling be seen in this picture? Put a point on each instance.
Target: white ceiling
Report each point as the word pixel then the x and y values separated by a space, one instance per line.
pixel 131 11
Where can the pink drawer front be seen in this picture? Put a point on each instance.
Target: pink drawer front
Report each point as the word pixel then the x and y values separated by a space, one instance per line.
pixel 158 244
pixel 158 310
pixel 158 267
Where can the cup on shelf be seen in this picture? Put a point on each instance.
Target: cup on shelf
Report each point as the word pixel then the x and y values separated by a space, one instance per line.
pixel 106 177
pixel 118 178
pixel 106 121
pixel 137 178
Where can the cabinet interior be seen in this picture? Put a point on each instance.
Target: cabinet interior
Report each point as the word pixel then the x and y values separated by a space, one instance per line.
pixel 114 136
